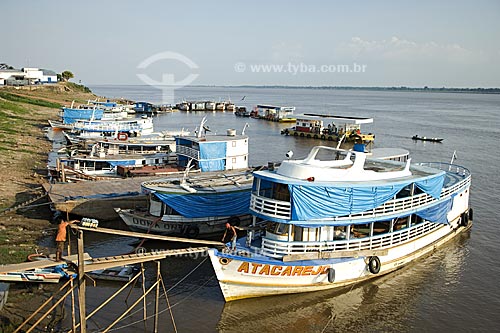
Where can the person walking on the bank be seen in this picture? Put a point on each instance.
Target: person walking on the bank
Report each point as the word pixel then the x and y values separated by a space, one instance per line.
pixel 61 237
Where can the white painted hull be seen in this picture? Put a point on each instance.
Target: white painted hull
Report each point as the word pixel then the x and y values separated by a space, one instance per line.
pixel 179 225
pixel 245 277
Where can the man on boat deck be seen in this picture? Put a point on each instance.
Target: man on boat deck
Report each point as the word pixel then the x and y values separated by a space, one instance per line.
pixel 61 237
pixel 234 237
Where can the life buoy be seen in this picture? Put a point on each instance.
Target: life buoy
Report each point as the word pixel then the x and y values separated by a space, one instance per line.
pixel 374 265
pixel 295 134
pixel 122 136
pixel 302 134
pixel 192 231
pixel 315 136
pixel 323 137
pixel 309 136
pixel 331 275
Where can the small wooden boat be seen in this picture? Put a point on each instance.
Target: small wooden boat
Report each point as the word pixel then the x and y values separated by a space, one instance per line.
pixel 45 275
pixel 120 273
pixel 424 138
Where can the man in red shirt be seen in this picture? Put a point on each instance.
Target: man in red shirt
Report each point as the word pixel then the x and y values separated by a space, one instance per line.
pixel 61 237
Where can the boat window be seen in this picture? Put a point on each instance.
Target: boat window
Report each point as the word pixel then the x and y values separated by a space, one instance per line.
pixel 381 227
pixel 400 223
pixel 277 228
pixel 340 232
pixel 405 192
pixel 280 192
pixel 102 165
pixel 266 188
pixel 360 230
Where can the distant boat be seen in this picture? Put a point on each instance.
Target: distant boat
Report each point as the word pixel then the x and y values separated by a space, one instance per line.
pixel 424 138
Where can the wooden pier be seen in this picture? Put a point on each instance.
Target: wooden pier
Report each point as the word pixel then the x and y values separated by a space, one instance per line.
pixel 84 264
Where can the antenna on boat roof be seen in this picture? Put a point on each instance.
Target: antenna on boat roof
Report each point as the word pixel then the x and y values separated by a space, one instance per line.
pixel 202 126
pixel 340 141
pixel 244 128
pixel 186 171
pixel 453 157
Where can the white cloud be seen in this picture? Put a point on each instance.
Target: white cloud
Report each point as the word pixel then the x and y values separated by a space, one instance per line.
pixel 398 49
pixel 285 51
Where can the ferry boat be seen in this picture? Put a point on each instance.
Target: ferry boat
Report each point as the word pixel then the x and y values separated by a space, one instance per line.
pixel 274 113
pixel 337 218
pixel 331 128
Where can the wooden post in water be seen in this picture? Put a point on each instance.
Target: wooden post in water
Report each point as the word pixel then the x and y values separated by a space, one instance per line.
pixel 81 283
pixel 144 304
pixel 157 301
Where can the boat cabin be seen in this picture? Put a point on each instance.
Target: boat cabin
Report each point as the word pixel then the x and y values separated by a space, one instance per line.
pixel 323 126
pixel 213 152
pixel 272 112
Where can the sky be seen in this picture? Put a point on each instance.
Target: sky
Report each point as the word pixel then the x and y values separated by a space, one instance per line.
pixel 297 43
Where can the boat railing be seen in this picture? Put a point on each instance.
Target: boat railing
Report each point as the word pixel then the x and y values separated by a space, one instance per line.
pixel 270 207
pixel 282 209
pixel 278 249
pixel 187 151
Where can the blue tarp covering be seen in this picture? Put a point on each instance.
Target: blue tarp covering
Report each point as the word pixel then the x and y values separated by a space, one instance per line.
pixel 437 213
pixel 319 202
pixel 115 163
pixel 212 156
pixel 311 202
pixel 71 115
pixel 204 205
pixel 431 186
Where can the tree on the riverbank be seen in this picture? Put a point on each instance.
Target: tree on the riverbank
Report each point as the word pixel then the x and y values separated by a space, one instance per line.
pixel 66 75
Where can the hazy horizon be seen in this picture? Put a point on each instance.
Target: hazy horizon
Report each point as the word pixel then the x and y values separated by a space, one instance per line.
pixel 453 44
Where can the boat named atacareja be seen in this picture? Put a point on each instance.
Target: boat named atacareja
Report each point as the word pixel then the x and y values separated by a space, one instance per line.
pixel 341 220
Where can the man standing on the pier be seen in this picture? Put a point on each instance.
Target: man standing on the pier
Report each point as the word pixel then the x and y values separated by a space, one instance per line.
pixel 61 237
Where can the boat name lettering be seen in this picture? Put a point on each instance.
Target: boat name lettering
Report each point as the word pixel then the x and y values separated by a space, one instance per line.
pixel 147 223
pixel 276 270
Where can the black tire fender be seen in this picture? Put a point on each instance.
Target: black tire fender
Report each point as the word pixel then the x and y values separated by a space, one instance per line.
pixel 331 275
pixel 374 265
pixel 192 231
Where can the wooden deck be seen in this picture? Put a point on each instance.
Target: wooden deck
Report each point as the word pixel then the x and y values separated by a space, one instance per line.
pixel 97 199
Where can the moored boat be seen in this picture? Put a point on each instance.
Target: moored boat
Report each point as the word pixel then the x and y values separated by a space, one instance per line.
pixel 338 221
pixel 199 205
pixel 331 128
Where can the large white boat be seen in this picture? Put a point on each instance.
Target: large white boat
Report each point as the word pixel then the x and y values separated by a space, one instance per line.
pixel 337 217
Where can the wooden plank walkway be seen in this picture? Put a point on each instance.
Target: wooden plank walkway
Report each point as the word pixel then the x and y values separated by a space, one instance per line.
pixel 119 260
pixel 24 266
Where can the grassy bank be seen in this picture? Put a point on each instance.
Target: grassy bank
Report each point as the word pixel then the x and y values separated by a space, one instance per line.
pixel 23 158
pixel 23 149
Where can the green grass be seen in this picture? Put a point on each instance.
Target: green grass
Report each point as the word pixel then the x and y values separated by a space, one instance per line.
pixel 22 99
pixel 78 87
pixel 13 107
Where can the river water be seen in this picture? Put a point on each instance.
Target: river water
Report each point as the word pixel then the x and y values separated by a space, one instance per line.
pixel 454 289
